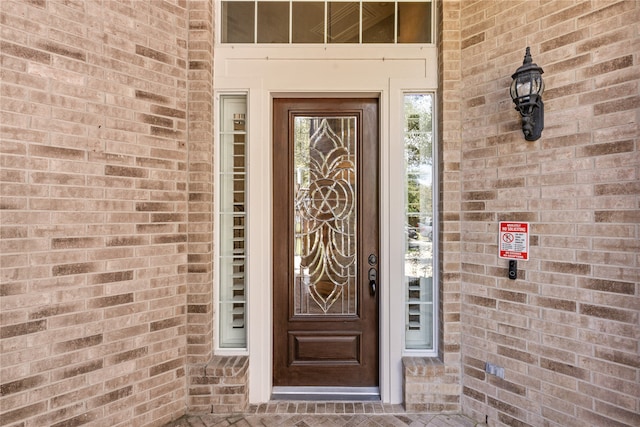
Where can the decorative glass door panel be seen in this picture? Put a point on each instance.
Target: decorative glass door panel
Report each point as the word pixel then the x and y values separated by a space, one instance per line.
pixel 325 218
pixel 325 242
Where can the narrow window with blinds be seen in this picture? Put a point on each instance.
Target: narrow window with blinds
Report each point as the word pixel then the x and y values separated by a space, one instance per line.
pixel 419 224
pixel 232 220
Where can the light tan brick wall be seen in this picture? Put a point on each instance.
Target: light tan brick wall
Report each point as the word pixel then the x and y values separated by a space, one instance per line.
pixel 107 241
pixel 95 197
pixel 200 221
pixel 221 386
pixel 566 331
pixel 200 311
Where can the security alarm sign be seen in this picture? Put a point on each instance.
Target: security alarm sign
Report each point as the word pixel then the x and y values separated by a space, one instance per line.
pixel 514 240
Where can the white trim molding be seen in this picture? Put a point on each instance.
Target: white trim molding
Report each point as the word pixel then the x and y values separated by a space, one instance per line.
pixel 360 71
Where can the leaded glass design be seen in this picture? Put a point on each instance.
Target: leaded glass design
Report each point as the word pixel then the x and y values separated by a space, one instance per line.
pixel 325 215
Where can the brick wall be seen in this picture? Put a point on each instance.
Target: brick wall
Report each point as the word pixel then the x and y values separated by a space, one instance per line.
pixel 200 226
pixel 107 242
pixel 566 331
pixel 95 184
pixel 200 312
pixel 221 386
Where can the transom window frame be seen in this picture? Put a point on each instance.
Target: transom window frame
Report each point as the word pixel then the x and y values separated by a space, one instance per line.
pixel 396 30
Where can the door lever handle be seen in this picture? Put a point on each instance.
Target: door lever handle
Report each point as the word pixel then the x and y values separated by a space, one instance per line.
pixel 373 278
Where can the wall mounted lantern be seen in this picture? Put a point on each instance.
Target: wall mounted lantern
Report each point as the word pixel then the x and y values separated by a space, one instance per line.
pixel 526 91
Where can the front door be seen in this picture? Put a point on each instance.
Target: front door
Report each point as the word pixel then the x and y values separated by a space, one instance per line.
pixel 325 242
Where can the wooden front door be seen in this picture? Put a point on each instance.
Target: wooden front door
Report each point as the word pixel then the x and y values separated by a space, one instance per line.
pixel 325 242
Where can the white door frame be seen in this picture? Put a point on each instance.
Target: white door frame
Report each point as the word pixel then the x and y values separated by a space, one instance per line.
pixel 361 71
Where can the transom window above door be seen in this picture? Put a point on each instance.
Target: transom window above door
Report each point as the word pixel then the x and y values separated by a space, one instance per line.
pixel 325 22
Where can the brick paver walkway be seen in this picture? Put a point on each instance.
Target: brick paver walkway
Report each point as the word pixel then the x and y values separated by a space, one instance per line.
pixel 326 414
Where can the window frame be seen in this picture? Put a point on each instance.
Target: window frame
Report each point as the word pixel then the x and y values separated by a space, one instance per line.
pixel 433 351
pixel 218 212
pixel 432 32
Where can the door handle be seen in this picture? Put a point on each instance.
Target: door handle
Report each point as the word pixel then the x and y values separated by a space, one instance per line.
pixel 373 279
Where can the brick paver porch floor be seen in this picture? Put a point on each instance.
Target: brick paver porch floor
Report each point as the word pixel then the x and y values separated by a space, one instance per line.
pixel 326 414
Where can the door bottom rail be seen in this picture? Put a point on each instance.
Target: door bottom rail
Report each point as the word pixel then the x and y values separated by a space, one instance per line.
pixel 326 393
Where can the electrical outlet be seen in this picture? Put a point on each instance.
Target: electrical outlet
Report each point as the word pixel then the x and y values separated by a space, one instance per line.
pixel 492 369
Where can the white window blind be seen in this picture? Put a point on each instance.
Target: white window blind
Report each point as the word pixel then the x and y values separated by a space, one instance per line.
pixel 232 221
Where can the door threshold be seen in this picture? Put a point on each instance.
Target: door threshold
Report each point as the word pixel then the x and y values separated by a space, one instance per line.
pixel 326 393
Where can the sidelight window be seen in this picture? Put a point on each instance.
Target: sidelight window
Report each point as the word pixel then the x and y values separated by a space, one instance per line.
pixel 419 223
pixel 232 223
pixel 340 22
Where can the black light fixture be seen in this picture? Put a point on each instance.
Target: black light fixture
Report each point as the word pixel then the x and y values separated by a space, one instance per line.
pixel 526 91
